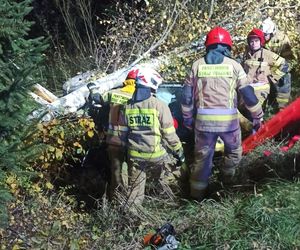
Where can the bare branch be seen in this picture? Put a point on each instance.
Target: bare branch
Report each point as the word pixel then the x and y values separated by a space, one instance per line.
pixel 163 37
pixel 281 7
pixel 211 10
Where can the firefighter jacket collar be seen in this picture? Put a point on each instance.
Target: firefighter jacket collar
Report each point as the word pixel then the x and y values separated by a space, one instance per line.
pixel 252 52
pixel 141 94
pixel 215 54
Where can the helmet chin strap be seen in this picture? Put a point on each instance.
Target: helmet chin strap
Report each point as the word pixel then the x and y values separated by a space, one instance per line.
pixel 254 50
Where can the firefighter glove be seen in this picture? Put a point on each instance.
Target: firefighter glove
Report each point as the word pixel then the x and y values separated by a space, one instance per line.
pixel 179 156
pixel 256 123
pixel 96 98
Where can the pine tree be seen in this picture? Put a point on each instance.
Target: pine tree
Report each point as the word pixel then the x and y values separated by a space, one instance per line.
pixel 20 60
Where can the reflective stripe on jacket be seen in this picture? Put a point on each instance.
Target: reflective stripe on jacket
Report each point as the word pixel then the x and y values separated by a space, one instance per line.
pixel 149 122
pixel 214 90
pixel 263 66
pixel 116 99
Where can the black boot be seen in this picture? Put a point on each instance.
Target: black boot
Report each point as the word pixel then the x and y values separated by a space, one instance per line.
pixel 226 179
pixel 199 195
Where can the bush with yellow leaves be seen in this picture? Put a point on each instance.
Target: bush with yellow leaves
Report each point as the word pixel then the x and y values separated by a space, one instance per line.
pixel 67 140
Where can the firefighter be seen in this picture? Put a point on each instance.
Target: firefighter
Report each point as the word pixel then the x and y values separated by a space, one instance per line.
pixel 116 99
pixel 209 106
pixel 279 43
pixel 149 123
pixel 263 67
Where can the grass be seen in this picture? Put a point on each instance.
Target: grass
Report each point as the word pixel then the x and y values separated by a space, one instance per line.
pixel 268 219
pixel 259 213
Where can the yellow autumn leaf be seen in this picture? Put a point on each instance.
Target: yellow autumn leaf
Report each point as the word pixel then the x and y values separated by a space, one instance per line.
pixel 36 188
pixel 174 38
pixel 51 148
pixel 16 247
pixel 10 180
pixel 58 154
pixel 163 67
pixel 77 144
pixel 62 134
pixel 91 125
pixel 49 185
pixel 60 141
pixel 90 133
pixel 45 165
pixel 82 122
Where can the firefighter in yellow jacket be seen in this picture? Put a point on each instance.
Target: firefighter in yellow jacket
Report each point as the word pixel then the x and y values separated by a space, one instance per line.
pixel 263 67
pixel 209 106
pixel 279 43
pixel 149 123
pixel 116 99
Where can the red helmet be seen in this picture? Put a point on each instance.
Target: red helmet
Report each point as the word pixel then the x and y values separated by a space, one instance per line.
pixel 218 35
pixel 132 74
pixel 257 33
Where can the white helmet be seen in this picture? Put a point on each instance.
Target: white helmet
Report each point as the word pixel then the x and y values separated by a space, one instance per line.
pixel 148 77
pixel 268 26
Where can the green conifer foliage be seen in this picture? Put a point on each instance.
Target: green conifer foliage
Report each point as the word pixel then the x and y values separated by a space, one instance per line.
pixel 20 65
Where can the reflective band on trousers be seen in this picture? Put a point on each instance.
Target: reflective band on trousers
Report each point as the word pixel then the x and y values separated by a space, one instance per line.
pixel 117 128
pixel 113 132
pixel 143 155
pixel 217 114
pixel 254 108
pixel 198 185
pixel 217 111
pixel 283 100
pixel 186 108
